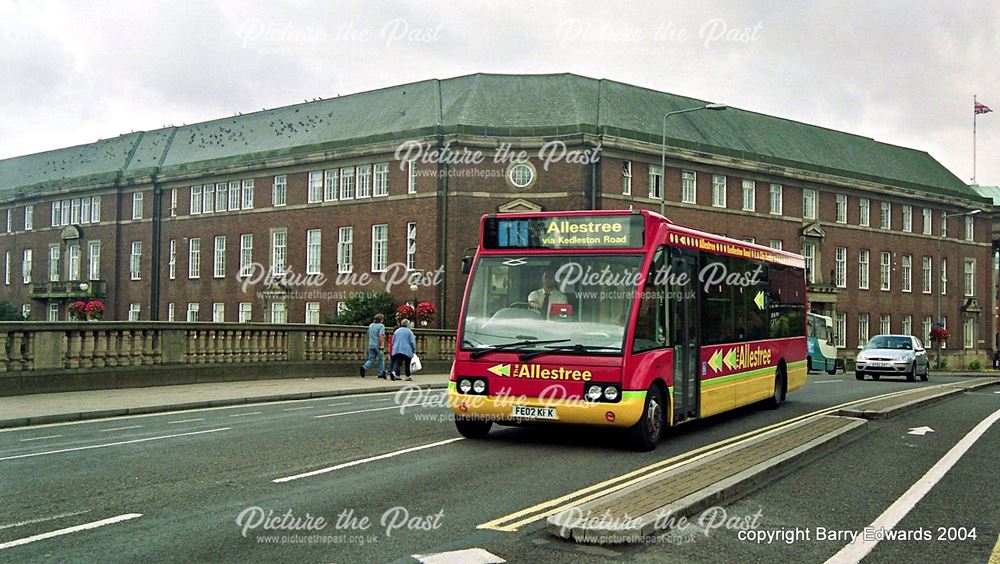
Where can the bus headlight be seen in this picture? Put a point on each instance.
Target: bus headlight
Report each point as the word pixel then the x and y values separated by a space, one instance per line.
pixel 594 393
pixel 611 393
pixel 479 386
pixel 465 386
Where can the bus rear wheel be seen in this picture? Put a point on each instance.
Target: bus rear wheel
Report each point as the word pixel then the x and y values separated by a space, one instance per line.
pixel 646 432
pixel 472 429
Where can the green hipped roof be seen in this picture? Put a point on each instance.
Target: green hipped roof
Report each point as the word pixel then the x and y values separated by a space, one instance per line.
pixel 991 192
pixel 500 105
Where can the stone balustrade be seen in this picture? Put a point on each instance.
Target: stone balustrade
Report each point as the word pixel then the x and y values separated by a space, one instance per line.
pixel 85 346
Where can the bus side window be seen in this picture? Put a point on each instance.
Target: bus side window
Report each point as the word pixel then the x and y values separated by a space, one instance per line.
pixel 651 329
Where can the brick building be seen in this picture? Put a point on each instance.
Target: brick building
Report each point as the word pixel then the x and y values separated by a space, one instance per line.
pixel 181 222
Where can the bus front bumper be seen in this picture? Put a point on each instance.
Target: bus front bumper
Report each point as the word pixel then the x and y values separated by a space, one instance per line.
pixel 520 409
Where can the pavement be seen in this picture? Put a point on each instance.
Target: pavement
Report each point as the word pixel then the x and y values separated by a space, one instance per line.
pixel 37 409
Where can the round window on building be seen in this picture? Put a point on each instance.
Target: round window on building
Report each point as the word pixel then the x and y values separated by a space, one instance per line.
pixel 521 176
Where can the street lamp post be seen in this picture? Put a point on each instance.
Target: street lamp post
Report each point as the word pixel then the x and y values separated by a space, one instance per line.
pixel 413 288
pixel 663 148
pixel 944 219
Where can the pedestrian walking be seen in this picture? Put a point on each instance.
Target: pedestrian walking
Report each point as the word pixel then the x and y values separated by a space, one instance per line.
pixel 404 345
pixel 376 344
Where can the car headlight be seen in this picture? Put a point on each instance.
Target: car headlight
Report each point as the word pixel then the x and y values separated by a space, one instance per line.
pixel 465 386
pixel 908 357
pixel 594 393
pixel 479 386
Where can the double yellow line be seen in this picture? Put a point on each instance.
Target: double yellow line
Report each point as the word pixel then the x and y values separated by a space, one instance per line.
pixel 512 522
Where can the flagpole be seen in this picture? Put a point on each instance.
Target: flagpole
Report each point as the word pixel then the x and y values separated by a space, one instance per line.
pixel 974 114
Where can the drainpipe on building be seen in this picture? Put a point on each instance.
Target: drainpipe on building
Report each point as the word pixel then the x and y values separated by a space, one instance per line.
pixel 154 291
pixel 443 238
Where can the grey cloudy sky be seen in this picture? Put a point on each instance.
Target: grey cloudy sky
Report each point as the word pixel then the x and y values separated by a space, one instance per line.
pixel 903 72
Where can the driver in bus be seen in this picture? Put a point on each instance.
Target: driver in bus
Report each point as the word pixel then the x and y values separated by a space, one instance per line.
pixel 542 298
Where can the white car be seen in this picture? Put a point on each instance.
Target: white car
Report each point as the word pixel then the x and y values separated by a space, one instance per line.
pixel 893 355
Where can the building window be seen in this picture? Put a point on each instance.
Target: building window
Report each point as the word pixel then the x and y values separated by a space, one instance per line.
pixel 279 191
pixel 279 252
pixel 841 208
pixel 246 312
pixel 73 262
pixel 777 202
pixel 863 269
pixel 29 217
pixel 26 311
pixel 926 330
pixel 94 256
pixel 85 210
pixel 969 333
pixel 195 200
pixel 234 195
pixel 6 268
pixel 928 220
pixel 54 312
pixel 194 258
pixel 221 196
pixel 74 214
pixel 381 180
pixel 411 246
pixel 926 275
pixel 655 181
pixel 192 312
pixel 689 187
pixel 808 203
pixel 133 312
pixel 278 312
pixel 345 250
pixel 56 214
pixel 380 243
pixel 907 218
pixel 749 239
pixel 135 261
pixel 219 270
pixel 54 263
pixel 840 330
pixel 346 183
pixel 907 273
pixel 246 254
pixel 26 266
pixel 173 202
pixel 136 205
pixel 66 218
pixel 718 191
pixel 944 275
pixel 970 277
pixel 330 179
pixel 885 269
pixel 907 325
pixel 171 311
pixel 218 312
pixel 172 260
pixel 775 244
pixel 886 215
pixel 944 225
pixel 627 178
pixel 312 313
pixel 809 253
pixel 970 231
pixel 865 212
pixel 885 324
pixel 315 193
pixel 313 250
pixel 208 198
pixel 840 268
pixel 248 194
pixel 516 172
pixel 749 195
pixel 862 329
pixel 364 173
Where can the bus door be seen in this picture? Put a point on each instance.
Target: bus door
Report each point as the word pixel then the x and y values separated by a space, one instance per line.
pixel 683 288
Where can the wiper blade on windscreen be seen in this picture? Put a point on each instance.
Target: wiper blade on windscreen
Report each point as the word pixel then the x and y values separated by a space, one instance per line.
pixel 504 346
pixel 577 348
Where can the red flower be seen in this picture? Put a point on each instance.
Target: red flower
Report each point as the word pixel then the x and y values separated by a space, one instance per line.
pixel 426 311
pixel 405 311
pixel 939 334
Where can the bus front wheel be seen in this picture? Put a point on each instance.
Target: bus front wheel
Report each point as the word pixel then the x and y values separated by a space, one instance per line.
pixel 644 435
pixel 779 389
pixel 472 429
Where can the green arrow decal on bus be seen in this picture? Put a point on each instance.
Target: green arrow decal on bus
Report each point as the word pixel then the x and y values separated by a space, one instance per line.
pixel 758 300
pixel 500 369
pixel 715 362
pixel 730 359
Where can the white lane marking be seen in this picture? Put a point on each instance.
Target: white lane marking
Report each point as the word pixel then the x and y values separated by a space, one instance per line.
pixel 384 399
pixel 78 528
pixel 364 461
pixel 921 431
pixel 298 408
pixel 468 555
pixel 826 381
pixel 147 439
pixel 41 438
pixel 358 411
pixel 895 513
pixel 245 414
pixel 120 428
pixel 185 421
pixel 336 404
pixel 42 519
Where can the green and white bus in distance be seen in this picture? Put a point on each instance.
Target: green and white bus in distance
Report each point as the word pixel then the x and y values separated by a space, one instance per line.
pixel 822 352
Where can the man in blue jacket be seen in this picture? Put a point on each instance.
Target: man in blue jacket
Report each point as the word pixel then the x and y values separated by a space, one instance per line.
pixel 404 345
pixel 376 343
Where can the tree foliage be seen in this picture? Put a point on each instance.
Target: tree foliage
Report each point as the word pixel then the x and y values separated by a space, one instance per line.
pixel 361 308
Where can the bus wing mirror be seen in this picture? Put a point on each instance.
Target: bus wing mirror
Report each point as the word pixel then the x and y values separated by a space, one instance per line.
pixel 466 264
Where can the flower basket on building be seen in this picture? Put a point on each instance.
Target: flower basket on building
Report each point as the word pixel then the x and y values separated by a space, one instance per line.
pixel 77 311
pixel 405 311
pixel 426 312
pixel 939 335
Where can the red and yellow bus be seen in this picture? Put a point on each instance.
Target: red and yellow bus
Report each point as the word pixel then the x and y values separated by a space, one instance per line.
pixel 624 319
